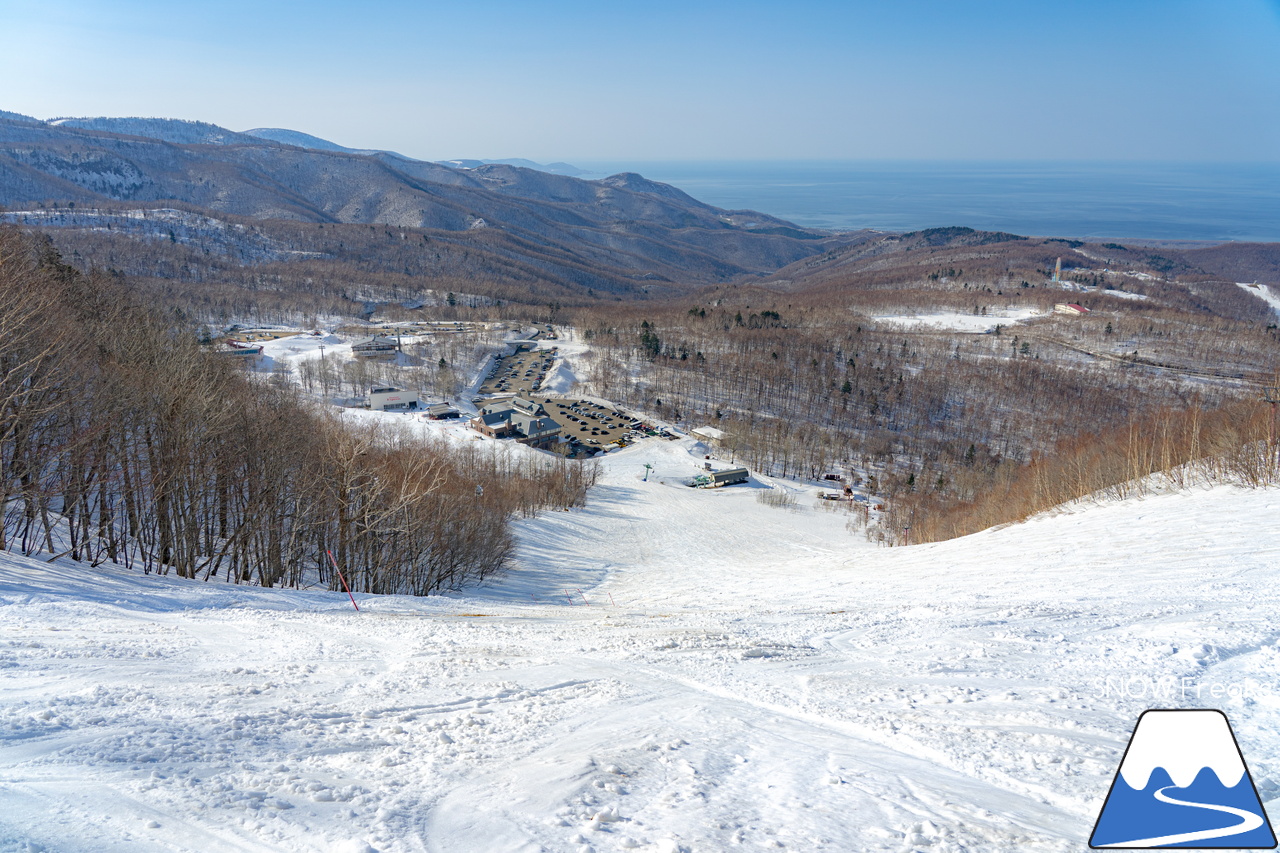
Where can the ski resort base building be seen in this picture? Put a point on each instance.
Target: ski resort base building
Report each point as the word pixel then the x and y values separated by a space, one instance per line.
pixel 518 418
pixel 389 399
pixel 375 346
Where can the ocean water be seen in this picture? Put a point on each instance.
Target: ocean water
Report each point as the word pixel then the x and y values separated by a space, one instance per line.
pixel 1087 200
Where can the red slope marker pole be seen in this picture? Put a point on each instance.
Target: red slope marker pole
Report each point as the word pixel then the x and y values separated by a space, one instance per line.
pixel 344 581
pixel 584 598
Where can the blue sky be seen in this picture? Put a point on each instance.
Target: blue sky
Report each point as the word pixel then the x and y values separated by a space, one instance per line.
pixel 657 80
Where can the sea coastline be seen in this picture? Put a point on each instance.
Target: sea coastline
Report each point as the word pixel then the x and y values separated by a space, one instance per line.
pixel 1141 202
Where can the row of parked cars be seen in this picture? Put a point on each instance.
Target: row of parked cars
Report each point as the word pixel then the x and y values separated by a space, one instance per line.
pixel 584 410
pixel 593 425
pixel 514 373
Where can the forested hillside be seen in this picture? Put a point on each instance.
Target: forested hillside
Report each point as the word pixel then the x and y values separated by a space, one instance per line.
pixel 932 363
pixel 959 403
pixel 496 222
pixel 122 440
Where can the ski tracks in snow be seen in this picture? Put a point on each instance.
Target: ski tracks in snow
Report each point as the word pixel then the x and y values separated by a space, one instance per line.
pixel 766 680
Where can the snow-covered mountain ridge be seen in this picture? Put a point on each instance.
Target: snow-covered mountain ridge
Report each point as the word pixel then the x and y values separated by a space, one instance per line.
pixel 580 235
pixel 188 132
pixel 178 131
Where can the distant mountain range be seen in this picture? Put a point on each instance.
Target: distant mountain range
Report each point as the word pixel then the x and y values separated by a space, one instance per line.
pixel 577 233
pixel 505 225
pixel 185 132
pixel 553 168
pixel 165 129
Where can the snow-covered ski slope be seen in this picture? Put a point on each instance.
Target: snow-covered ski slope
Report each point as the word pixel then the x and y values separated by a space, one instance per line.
pixel 745 677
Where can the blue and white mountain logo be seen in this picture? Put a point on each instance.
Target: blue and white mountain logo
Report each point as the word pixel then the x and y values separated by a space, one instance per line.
pixel 1183 783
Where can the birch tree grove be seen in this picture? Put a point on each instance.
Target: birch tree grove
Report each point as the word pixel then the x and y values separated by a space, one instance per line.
pixel 122 440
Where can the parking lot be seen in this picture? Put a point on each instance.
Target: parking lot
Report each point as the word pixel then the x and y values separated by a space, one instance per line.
pixel 591 426
pixel 588 423
pixel 520 373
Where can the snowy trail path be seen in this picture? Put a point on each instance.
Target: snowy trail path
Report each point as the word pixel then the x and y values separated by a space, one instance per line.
pixel 766 681
pixel 688 755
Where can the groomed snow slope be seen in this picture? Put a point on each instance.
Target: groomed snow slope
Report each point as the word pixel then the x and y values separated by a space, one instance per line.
pixel 1263 292
pixel 763 680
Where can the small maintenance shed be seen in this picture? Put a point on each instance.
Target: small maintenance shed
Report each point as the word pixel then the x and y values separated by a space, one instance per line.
pixel 708 434
pixel 730 477
pixel 442 411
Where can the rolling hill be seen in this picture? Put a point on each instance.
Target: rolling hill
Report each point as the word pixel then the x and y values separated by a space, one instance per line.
pixel 619 229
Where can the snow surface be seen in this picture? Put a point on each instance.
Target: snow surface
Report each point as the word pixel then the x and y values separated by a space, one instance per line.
pixel 1263 292
pixel 957 322
pixel 304 346
pixel 1125 294
pixel 667 669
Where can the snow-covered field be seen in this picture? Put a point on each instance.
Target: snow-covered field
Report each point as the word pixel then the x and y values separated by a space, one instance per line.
pixel 957 322
pixel 1125 294
pixel 744 677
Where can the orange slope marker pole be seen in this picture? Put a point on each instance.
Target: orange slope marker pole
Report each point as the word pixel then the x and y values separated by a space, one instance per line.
pixel 344 581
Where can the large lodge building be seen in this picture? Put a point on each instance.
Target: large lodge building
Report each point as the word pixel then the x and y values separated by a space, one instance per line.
pixel 518 418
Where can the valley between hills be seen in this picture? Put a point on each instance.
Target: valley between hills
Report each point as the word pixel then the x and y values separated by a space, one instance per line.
pixel 1003 493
